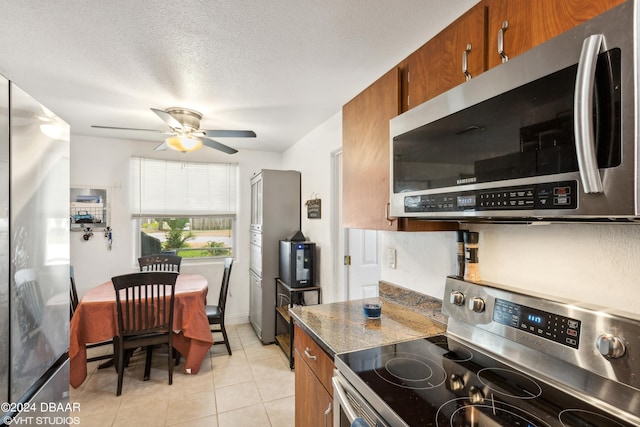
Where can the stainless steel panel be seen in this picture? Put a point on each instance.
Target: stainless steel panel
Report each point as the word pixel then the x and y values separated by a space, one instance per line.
pixel 616 382
pixel 39 233
pixel 4 239
pixel 50 405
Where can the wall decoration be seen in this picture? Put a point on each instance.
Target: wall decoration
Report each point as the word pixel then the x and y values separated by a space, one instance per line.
pixel 314 210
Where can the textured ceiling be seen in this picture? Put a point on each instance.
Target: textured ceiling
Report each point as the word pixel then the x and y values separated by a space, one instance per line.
pixel 278 67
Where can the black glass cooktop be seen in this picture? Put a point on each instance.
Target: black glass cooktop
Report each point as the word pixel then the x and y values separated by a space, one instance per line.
pixel 440 382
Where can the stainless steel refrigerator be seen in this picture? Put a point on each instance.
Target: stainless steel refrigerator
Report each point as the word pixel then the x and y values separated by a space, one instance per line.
pixel 34 261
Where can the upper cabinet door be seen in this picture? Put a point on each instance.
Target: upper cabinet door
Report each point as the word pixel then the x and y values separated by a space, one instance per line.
pixel 438 65
pixel 530 23
pixel 365 153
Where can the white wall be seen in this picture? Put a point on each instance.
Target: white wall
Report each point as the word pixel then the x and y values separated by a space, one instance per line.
pixel 104 163
pixel 593 263
pixel 312 157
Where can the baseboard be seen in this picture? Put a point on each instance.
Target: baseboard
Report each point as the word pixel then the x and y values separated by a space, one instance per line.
pixel 237 319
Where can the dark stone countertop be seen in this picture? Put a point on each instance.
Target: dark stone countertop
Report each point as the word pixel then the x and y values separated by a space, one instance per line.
pixel 341 326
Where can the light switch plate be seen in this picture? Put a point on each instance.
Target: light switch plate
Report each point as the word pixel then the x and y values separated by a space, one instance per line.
pixel 391 258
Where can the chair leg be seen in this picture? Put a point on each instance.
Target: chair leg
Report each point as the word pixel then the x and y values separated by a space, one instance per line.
pixel 170 357
pixel 127 356
pixel 147 363
pixel 119 355
pixel 177 356
pixel 226 338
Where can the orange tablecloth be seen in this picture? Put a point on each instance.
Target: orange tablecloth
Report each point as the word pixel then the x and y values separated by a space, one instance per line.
pixel 96 320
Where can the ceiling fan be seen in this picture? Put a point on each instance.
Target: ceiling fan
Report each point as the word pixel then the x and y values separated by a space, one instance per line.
pixel 187 135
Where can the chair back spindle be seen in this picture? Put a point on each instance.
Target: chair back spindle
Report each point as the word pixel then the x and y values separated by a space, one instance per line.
pixel 160 262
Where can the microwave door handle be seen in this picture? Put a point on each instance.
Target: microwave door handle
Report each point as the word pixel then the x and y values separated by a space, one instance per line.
pixel 583 108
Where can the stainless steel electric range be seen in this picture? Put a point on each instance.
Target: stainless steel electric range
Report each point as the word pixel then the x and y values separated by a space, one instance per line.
pixel 507 359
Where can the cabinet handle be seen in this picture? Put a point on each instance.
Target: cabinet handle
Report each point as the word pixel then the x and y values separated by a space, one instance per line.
pixel 501 31
pixel 309 355
pixel 387 213
pixel 326 415
pixel 465 62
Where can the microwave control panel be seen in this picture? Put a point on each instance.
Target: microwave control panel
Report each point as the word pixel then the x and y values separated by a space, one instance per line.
pixel 551 195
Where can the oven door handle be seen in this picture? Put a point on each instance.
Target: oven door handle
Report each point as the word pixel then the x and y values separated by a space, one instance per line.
pixel 583 111
pixel 341 400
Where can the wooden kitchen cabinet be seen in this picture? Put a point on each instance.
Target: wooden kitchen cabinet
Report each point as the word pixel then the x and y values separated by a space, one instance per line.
pixel 366 159
pixel 531 23
pixel 365 154
pixel 437 66
pixel 313 388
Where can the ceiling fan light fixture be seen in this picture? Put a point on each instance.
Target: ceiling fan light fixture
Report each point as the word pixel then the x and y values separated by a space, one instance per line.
pixel 184 143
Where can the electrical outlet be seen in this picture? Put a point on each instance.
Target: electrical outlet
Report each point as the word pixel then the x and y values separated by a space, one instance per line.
pixel 391 258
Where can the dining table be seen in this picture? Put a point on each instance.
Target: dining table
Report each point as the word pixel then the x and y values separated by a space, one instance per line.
pixel 95 320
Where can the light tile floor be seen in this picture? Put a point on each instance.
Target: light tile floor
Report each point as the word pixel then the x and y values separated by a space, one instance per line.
pixel 253 387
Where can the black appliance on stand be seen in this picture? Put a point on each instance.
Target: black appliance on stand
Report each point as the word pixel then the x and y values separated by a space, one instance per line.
pixel 296 279
pixel 297 262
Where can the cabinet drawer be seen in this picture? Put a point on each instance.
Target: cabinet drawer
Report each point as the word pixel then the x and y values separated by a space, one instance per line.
pixel 319 361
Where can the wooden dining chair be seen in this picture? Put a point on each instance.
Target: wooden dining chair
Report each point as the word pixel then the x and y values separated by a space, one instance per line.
pixel 160 262
pixel 144 303
pixel 73 292
pixel 73 302
pixel 215 313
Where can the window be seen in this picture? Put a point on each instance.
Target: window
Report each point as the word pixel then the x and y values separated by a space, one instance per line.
pixel 183 207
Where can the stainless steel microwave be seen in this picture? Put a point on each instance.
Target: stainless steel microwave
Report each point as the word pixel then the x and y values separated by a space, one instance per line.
pixel 550 135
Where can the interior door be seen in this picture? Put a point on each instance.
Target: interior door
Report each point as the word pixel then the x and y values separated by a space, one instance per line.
pixel 363 247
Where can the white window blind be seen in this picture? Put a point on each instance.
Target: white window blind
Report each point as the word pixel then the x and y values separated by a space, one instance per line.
pixel 161 188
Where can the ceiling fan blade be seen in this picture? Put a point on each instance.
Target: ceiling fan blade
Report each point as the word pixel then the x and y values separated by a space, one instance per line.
pixel 168 119
pixel 229 133
pixel 161 147
pixel 119 128
pixel 218 146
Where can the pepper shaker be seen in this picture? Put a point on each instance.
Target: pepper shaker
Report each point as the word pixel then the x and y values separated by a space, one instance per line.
pixel 460 252
pixel 472 267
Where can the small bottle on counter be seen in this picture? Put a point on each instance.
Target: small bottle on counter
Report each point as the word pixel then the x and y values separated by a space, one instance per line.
pixel 471 267
pixel 460 252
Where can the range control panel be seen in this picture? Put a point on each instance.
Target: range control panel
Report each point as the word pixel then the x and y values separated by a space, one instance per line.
pixel 560 329
pixel 506 321
pixel 553 195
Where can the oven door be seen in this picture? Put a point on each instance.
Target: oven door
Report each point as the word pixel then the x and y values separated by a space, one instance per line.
pixel 350 408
